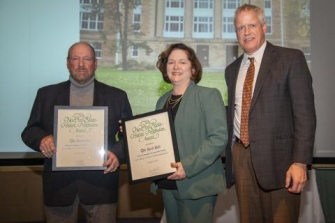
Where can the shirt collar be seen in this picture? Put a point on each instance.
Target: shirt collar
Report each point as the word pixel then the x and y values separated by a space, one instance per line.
pixel 258 55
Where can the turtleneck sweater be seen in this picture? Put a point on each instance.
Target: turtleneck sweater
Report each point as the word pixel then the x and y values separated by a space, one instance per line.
pixel 81 94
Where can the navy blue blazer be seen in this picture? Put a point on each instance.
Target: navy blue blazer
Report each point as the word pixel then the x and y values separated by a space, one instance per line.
pixel 61 187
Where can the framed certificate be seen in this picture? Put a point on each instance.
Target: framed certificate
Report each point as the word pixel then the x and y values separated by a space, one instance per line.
pixel 80 135
pixel 151 146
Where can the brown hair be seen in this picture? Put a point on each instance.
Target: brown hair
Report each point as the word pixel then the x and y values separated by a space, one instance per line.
pixel 164 56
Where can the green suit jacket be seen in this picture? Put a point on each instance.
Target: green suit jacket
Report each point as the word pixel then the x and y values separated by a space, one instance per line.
pixel 201 132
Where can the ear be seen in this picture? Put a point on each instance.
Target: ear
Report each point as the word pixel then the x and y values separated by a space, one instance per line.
pixel 96 64
pixel 68 64
pixel 264 28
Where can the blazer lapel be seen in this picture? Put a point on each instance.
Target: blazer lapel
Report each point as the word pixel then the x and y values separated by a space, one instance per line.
pixel 63 94
pixel 232 90
pixel 99 94
pixel 267 60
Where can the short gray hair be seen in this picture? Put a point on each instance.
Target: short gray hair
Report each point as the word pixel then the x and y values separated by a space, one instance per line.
pixel 247 7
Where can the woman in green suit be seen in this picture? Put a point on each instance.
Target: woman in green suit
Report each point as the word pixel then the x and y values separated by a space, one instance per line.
pixel 199 117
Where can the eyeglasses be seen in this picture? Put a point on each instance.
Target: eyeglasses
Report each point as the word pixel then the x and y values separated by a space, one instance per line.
pixel 243 28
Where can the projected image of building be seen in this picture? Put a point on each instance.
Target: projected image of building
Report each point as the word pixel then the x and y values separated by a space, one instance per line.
pixel 130 34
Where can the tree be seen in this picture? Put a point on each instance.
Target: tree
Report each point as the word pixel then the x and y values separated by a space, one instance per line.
pixel 298 22
pixel 116 29
pixel 121 17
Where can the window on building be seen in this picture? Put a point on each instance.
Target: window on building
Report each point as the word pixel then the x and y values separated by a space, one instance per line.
pixel 267 4
pixel 203 15
pixel 268 24
pixel 231 4
pixel 203 4
pixel 137 2
pixel 228 28
pixel 174 23
pixel 175 3
pixel 228 25
pixel 174 19
pixel 91 15
pixel 136 22
pixel 137 16
pixel 134 51
pixel 268 15
pixel 203 24
pixel 98 49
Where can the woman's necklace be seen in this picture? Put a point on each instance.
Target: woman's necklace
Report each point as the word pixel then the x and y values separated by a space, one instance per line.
pixel 173 102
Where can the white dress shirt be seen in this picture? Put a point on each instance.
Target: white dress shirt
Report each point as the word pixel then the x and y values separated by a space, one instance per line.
pixel 258 55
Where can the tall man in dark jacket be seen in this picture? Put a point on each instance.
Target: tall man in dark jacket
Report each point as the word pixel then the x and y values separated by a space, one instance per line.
pixel 96 191
pixel 269 167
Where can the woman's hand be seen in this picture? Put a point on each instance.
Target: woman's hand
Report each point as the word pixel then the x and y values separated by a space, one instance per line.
pixel 179 174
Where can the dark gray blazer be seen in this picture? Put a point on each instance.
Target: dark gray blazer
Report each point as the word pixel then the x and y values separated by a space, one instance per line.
pixel 282 117
pixel 61 187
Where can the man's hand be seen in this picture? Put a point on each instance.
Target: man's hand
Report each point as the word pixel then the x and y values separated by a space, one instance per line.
pixel 179 174
pixel 112 163
pixel 47 146
pixel 296 177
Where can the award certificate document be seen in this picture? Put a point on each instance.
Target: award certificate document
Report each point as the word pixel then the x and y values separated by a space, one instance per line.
pixel 80 134
pixel 151 146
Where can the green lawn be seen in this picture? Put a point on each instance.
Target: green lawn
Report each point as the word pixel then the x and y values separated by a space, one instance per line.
pixel 145 87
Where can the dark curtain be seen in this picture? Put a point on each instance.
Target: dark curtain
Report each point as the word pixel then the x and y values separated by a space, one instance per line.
pixel 325 179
